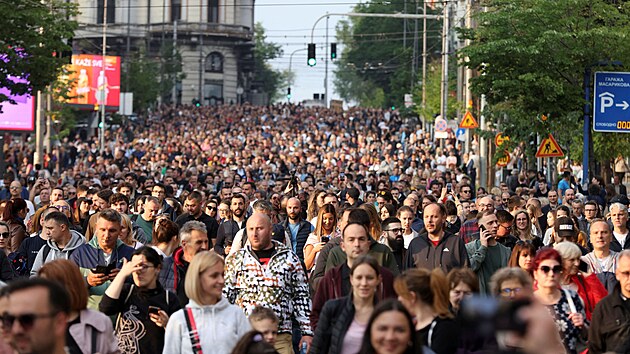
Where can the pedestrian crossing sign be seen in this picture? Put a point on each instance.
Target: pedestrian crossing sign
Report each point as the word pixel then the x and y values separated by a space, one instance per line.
pixel 469 122
pixel 549 148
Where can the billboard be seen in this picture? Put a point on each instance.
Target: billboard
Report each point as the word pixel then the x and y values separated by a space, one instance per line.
pixel 92 84
pixel 19 116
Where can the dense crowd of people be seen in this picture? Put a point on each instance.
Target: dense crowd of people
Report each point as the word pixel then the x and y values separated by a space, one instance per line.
pixel 285 229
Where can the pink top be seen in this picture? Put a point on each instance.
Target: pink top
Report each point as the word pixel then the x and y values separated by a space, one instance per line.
pixel 353 338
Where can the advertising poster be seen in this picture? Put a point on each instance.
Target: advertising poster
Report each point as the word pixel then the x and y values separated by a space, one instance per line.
pixel 92 84
pixel 19 116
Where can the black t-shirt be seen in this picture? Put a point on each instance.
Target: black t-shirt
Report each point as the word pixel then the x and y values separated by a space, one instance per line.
pixel 264 255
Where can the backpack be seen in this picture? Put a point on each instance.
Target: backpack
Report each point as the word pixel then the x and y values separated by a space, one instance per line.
pixel 18 264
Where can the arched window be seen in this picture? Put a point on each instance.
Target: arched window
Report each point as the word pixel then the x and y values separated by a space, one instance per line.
pixel 214 63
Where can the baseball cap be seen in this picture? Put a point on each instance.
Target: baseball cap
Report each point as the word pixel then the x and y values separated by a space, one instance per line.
pixel 564 227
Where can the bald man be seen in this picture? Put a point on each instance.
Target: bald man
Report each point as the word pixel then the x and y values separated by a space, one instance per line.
pixel 298 228
pixel 267 273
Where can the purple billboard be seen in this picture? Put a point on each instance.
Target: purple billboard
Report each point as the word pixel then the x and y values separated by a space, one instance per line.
pixel 19 116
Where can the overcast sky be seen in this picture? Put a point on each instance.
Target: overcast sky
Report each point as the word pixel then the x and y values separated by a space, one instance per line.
pixel 289 23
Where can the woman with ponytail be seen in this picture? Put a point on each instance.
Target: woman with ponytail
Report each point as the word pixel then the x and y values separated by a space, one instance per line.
pixel 425 294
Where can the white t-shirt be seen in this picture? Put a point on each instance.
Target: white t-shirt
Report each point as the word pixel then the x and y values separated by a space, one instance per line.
pixel 407 238
pixel 621 238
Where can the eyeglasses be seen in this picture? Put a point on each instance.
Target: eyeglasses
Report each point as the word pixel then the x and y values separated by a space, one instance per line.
pixel 14 187
pixel 146 266
pixel 395 230
pixel 62 207
pixel 26 321
pixel 510 291
pixel 5 235
pixel 556 269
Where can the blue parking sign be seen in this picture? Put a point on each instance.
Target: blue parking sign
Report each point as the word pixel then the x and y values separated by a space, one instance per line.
pixel 611 102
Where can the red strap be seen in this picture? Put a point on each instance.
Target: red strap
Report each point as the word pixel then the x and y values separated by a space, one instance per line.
pixel 192 331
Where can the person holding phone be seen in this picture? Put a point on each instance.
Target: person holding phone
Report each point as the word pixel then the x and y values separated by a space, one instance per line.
pixel 144 307
pixel 575 276
pixel 486 254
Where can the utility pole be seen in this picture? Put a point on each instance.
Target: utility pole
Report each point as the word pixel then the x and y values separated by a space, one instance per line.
pixel 103 87
pixel 200 89
pixel 326 67
pixel 424 63
pixel 468 73
pixel 414 55
pixel 445 49
pixel 174 91
pixel 39 141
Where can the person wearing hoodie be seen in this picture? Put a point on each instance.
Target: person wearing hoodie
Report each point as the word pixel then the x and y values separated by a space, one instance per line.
pixel 143 307
pixel 62 241
pixel 100 259
pixel 435 247
pixel 209 321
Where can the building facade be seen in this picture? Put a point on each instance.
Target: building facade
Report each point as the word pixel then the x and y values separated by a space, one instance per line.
pixel 213 37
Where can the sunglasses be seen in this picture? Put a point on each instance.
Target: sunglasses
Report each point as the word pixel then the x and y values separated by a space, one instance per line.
pixel 556 269
pixel 26 321
pixel 5 235
pixel 211 207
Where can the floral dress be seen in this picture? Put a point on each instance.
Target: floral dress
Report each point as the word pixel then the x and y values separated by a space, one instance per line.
pixel 560 311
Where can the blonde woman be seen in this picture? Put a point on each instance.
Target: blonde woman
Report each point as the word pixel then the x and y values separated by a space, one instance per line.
pixel 325 229
pixel 216 324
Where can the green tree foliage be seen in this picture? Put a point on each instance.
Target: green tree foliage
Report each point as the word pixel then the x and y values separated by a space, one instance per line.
pixel 271 81
pixel 374 68
pixel 434 91
pixel 171 66
pixel 31 32
pixel 531 56
pixel 144 80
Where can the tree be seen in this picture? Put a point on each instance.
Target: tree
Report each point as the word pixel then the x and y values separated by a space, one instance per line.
pixel 374 68
pixel 34 34
pixel 271 81
pixel 171 66
pixel 531 56
pixel 144 80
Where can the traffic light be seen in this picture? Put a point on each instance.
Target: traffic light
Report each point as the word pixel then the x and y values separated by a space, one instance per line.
pixel 288 93
pixel 196 102
pixel 311 55
pixel 333 51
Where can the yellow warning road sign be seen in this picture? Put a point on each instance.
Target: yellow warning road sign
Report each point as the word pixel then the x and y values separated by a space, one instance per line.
pixel 468 122
pixel 549 148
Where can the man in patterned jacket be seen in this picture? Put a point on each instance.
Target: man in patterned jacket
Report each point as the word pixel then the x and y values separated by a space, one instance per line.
pixel 267 273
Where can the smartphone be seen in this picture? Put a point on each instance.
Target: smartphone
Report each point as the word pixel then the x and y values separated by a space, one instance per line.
pixel 583 267
pixel 449 187
pixel 154 310
pixel 105 270
pixel 325 239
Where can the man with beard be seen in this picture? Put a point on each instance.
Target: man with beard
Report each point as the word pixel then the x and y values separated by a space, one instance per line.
pixel 298 228
pixel 435 248
pixel 193 205
pixel 229 228
pixel 393 237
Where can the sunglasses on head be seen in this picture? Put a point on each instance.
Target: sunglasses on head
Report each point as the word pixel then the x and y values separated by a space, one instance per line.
pixel 555 269
pixel 26 321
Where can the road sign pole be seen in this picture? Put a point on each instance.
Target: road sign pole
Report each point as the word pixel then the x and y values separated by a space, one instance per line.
pixel 587 125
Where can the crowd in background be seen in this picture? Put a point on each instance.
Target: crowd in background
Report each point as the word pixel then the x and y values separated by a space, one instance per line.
pixel 245 229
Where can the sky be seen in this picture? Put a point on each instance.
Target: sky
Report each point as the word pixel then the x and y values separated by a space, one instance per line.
pixel 289 23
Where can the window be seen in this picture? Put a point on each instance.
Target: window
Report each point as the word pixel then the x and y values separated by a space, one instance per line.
pixel 176 10
pixel 214 63
pixel 214 92
pixel 111 11
pixel 213 11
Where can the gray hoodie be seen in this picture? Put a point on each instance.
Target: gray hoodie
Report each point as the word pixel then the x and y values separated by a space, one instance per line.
pixel 55 253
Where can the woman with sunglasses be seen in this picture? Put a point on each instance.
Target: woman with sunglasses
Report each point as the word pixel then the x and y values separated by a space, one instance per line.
pixel 523 229
pixel 88 331
pixel 211 208
pixel 564 305
pixel 588 286
pixel 143 308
